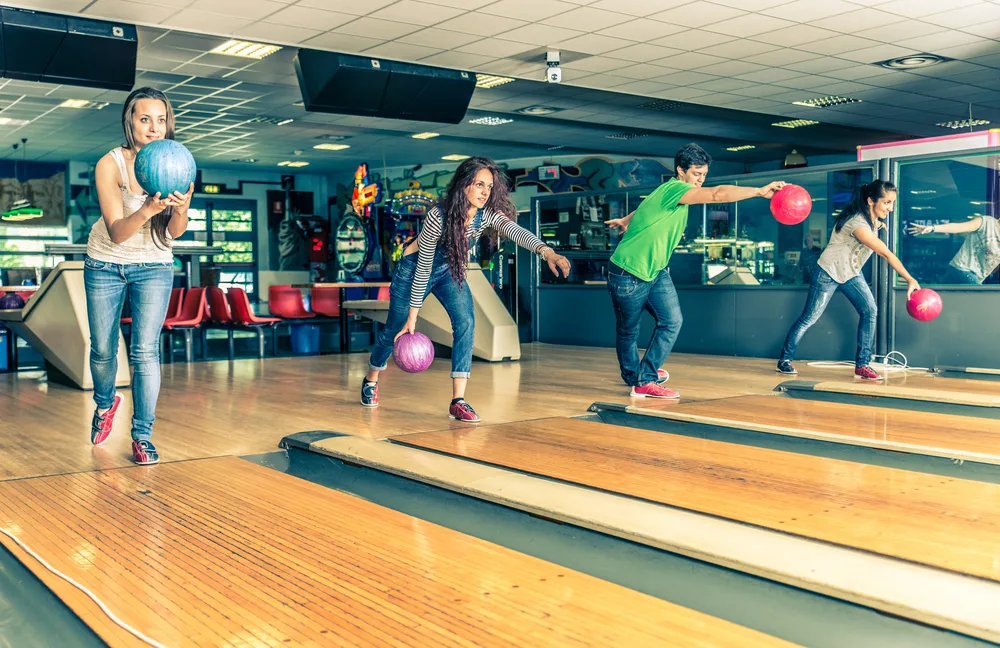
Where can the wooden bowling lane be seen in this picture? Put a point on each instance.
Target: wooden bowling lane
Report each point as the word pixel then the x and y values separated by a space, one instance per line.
pixel 218 552
pixel 923 433
pixel 942 522
pixel 968 373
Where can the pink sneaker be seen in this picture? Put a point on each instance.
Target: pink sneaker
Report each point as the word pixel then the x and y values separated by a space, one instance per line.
pixel 462 411
pixel 652 390
pixel 866 373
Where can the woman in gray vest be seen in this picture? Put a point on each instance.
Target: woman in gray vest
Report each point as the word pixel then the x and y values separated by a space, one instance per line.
pixel 979 255
pixel 852 242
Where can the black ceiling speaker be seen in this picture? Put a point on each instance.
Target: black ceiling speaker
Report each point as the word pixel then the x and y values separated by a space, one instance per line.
pixel 357 85
pixel 69 50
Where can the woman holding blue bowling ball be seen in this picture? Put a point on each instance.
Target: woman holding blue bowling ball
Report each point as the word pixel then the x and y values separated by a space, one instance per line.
pixel 129 252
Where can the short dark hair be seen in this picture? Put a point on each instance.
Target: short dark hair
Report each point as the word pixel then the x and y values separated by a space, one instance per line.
pixel 691 155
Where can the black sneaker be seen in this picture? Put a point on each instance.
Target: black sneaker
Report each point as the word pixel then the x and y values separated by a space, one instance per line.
pixel 369 394
pixel 785 367
pixel 144 453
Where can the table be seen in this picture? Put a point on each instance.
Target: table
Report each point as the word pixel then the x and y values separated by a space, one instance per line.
pixel 343 286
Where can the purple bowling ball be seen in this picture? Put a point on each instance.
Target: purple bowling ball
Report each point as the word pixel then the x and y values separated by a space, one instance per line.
pixel 413 352
pixel 11 301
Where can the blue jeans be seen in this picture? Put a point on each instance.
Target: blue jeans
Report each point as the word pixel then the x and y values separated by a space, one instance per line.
pixel 148 286
pixel 630 296
pixel 963 277
pixel 457 300
pixel 821 289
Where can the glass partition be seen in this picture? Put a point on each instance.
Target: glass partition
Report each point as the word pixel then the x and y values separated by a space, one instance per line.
pixel 742 238
pixel 947 231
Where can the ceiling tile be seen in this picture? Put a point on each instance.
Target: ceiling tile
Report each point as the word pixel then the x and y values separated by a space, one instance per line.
pixel 441 38
pixel 957 18
pixel 686 78
pixel 309 18
pixel 540 35
pixel 782 57
pixel 750 5
pixel 641 87
pixel 738 49
pixel 793 36
pixel 401 51
pixel 803 11
pixel 420 13
pixel 820 65
pixel 683 94
pixel 986 29
pixel 495 48
pixel 731 68
pixel 748 25
pixel 643 52
pixel 375 28
pixel 643 71
pixel 196 20
pixel 877 53
pixel 638 7
pixel 130 11
pixel 590 44
pixel 468 5
pixel 849 22
pixel 586 19
pixel 697 14
pixel 346 6
pixel 530 10
pixel 642 30
pixel 918 8
pixel 253 9
pixel 457 60
pixel 597 64
pixel 343 42
pixel 768 75
pixel 472 23
pixel 276 33
pixel 837 45
pixel 691 60
pixel 899 31
pixel 693 39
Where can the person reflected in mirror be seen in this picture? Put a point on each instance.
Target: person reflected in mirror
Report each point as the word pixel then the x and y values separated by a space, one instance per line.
pixel 979 255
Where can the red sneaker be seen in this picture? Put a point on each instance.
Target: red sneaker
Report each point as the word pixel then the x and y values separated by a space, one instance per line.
pixel 462 411
pixel 662 376
pixel 100 425
pixel 866 373
pixel 652 390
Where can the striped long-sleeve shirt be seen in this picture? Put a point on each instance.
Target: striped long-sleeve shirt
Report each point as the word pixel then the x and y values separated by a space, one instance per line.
pixel 430 235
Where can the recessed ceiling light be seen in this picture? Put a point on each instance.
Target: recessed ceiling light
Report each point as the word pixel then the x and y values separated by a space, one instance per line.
pixel 964 123
pixel 7 121
pixel 626 136
pixel 427 135
pixel 912 61
pixel 245 160
pixel 491 81
pixel 743 147
pixel 795 123
pixel 284 121
pixel 245 49
pixel 826 102
pixel 661 104
pixel 293 163
pixel 921 192
pixel 333 138
pixel 537 110
pixel 332 147
pixel 83 103
pixel 490 121
pixel 455 157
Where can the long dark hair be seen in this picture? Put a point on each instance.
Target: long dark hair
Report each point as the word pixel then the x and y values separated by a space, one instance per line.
pixel 158 224
pixel 455 206
pixel 876 190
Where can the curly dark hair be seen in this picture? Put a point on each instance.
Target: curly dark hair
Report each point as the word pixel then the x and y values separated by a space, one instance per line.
pixel 454 209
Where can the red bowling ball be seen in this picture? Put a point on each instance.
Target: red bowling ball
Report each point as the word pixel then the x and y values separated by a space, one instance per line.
pixel 924 305
pixel 791 204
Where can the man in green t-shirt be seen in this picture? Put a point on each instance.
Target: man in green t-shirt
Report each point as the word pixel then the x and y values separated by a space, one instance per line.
pixel 638 278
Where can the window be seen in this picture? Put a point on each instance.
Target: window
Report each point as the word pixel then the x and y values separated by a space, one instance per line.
pixel 957 194
pixel 23 246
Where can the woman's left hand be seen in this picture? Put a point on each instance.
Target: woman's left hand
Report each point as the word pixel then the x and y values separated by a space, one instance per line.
pixel 917 230
pixel 558 262
pixel 180 201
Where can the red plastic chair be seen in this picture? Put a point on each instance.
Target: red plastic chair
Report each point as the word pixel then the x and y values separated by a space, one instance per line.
pixel 383 293
pixel 193 312
pixel 287 303
pixel 219 317
pixel 244 316
pixel 325 301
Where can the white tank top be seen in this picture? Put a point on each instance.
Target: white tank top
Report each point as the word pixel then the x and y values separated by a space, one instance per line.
pixel 140 248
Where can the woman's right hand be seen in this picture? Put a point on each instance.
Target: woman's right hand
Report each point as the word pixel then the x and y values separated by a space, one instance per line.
pixel 912 287
pixel 917 230
pixel 618 224
pixel 154 205
pixel 409 327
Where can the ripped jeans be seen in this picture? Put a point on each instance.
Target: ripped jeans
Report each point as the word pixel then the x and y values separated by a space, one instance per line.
pixel 821 289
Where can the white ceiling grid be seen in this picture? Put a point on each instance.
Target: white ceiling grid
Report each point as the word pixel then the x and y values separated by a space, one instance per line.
pixel 749 55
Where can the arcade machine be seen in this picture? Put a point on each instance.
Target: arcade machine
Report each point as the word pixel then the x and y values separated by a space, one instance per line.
pixel 406 211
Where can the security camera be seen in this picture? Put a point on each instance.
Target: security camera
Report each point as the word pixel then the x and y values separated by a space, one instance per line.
pixel 553 73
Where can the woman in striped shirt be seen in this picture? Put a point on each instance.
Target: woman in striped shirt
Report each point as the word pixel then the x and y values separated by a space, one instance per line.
pixel 477 199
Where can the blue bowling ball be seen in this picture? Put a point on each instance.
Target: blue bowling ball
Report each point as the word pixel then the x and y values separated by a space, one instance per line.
pixel 164 166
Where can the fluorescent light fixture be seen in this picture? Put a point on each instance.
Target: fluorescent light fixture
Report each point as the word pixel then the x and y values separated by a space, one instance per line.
pixel 963 123
pixel 455 157
pixel 744 147
pixel 83 103
pixel 661 104
pixel 626 136
pixel 292 163
pixel 826 102
pixel 7 121
pixel 245 49
pixel 923 192
pixel 427 135
pixel 332 147
pixel 491 81
pixel 795 123
pixel 490 121
pixel 284 121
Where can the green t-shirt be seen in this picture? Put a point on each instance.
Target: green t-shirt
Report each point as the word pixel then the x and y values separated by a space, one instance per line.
pixel 656 228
